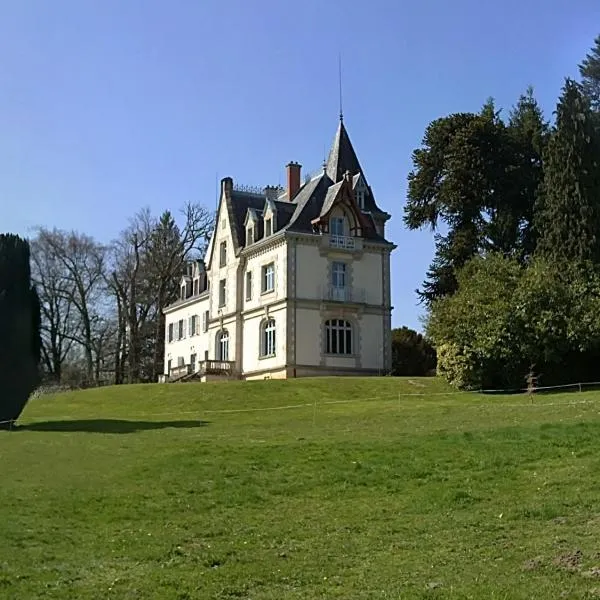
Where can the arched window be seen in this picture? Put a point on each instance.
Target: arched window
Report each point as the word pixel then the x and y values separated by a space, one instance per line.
pixel 223 345
pixel 267 338
pixel 338 337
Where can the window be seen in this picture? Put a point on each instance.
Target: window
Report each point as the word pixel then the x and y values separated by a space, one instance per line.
pixel 338 337
pixel 180 361
pixel 223 224
pixel 223 345
pixel 205 321
pixel 196 287
pixel 267 343
pixel 338 275
pixel 268 278
pixel 336 225
pixel 222 292
pixel 360 198
pixel 223 254
pixel 169 366
pixel 249 236
pixel 180 329
pixel 193 324
pixel 268 227
pixel 170 334
pixel 182 294
pixel 193 363
pixel 249 285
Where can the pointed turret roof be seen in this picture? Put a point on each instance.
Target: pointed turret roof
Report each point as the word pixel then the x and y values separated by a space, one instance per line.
pixel 341 157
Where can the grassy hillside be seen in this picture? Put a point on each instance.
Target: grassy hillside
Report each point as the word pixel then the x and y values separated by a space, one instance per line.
pixel 324 488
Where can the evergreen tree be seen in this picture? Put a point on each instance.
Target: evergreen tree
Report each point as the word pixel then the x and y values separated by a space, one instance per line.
pixel 568 220
pixel 529 134
pixel 589 70
pixel 20 343
pixel 479 177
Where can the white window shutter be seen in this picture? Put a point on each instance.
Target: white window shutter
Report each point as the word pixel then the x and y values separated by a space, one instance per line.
pixel 197 325
pixel 184 328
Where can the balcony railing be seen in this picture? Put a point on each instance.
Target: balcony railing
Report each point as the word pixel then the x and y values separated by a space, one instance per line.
pixel 180 371
pixel 352 295
pixel 344 242
pixel 203 367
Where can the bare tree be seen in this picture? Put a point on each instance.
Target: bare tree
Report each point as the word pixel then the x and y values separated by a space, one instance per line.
pixel 169 249
pixel 82 260
pixel 59 323
pixel 132 290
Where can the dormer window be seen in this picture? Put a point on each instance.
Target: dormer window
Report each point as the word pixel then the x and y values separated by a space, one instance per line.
pixel 336 226
pixel 249 236
pixel 360 198
pixel 223 254
pixel 182 294
pixel 268 227
pixel 196 286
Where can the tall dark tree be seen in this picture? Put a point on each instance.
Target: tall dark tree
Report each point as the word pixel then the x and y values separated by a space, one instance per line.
pixel 412 354
pixel 528 136
pixel 568 221
pixel 478 177
pixel 589 69
pixel 20 344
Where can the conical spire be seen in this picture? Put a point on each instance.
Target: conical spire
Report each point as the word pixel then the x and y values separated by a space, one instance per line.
pixel 342 157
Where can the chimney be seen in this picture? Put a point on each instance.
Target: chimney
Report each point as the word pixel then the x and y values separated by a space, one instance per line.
pixel 293 179
pixel 226 185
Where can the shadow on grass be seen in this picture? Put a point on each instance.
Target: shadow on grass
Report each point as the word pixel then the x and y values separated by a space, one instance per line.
pixel 108 425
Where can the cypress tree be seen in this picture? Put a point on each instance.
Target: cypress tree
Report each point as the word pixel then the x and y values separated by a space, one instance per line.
pixel 20 342
pixel 589 69
pixel 568 219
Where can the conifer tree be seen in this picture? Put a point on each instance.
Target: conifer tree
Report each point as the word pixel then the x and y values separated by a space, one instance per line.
pixel 589 69
pixel 568 221
pixel 20 344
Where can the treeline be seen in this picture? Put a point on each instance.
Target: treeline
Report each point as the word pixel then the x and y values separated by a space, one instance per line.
pixel 101 304
pixel 513 292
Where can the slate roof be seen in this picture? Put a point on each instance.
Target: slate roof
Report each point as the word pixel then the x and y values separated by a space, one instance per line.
pixel 314 198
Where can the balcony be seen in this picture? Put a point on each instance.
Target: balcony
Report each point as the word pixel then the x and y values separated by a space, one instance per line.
pixel 340 243
pixel 204 367
pixel 343 242
pixel 348 295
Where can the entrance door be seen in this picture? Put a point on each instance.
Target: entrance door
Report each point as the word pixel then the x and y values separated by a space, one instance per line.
pixel 193 363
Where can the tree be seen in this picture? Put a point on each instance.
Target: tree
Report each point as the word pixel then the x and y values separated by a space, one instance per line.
pixel 412 354
pixel 82 262
pixel 60 322
pixel 169 248
pixel 508 318
pixel 589 69
pixel 528 135
pixel 473 330
pixel 477 177
pixel 20 344
pixel 568 219
pixel 148 260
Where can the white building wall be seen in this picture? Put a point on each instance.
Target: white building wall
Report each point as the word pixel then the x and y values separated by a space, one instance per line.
pixel 255 264
pixel 311 271
pixel 228 272
pixel 367 273
pixel 252 331
pixel 308 336
pixel 192 342
pixel 371 341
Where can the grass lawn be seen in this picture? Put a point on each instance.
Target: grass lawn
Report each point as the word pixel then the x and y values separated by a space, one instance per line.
pixel 315 488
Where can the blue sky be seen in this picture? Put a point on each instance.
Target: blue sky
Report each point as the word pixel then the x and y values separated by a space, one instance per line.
pixel 107 106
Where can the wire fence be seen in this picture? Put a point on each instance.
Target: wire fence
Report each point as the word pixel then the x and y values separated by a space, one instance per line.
pixel 577 387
